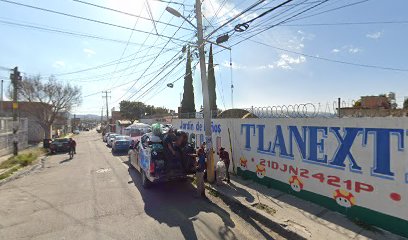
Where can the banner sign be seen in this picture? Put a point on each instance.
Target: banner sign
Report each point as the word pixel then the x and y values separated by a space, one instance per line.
pixel 355 162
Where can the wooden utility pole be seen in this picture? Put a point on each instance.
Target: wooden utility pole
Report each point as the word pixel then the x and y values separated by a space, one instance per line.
pixel 107 106
pixel 15 81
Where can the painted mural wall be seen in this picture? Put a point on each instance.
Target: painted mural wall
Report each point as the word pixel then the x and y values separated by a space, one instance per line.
pixel 357 166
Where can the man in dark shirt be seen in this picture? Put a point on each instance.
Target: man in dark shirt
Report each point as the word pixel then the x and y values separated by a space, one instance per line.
pixel 72 145
pixel 225 157
pixel 169 151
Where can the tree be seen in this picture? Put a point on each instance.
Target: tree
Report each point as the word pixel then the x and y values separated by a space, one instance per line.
pixel 187 104
pixel 136 110
pixel 52 98
pixel 405 106
pixel 132 110
pixel 211 83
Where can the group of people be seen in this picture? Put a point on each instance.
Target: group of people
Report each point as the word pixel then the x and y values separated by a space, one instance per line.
pixel 201 167
pixel 173 143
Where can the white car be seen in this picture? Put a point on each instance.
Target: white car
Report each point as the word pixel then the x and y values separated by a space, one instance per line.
pixel 76 131
pixel 110 139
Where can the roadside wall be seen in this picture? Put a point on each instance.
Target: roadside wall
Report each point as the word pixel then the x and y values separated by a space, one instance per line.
pixel 356 166
pixel 6 135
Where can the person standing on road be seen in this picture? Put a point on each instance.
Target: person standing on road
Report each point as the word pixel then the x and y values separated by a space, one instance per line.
pixel 225 157
pixel 169 152
pixel 200 171
pixel 72 145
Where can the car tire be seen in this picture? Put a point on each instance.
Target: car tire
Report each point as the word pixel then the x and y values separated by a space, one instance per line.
pixel 145 182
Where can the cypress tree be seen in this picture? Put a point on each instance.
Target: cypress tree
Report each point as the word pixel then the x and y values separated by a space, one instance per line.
pixel 211 82
pixel 187 104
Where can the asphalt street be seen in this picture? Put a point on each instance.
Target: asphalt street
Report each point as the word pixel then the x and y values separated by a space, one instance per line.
pixel 97 196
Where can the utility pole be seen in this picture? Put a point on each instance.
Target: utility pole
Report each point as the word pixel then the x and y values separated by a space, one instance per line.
pixel 206 97
pixel 107 106
pixel 15 79
pixel 338 107
pixel 1 97
pixel 101 115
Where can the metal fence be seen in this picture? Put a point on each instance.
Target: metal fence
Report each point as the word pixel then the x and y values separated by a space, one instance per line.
pixel 7 136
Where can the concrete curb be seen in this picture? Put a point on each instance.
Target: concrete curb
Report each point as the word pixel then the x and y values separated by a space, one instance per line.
pixel 258 215
pixel 25 171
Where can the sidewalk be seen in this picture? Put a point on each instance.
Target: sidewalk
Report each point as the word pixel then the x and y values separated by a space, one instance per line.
pixel 306 219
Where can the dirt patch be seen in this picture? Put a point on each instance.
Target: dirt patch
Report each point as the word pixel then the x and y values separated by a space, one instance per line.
pixel 265 208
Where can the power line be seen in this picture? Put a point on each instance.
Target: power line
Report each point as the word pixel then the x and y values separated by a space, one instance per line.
pixel 130 14
pixel 111 63
pixel 87 19
pixel 151 31
pixel 151 63
pixel 334 60
pixel 146 91
pixel 344 23
pixel 124 50
pixel 67 32
pixel 124 84
pixel 330 10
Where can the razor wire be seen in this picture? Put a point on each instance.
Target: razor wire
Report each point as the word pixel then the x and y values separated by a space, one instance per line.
pixel 304 110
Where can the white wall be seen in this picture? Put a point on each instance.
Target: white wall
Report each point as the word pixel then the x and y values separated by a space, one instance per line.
pixel 365 158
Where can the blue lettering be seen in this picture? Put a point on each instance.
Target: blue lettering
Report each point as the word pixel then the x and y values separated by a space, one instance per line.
pixel 345 144
pixel 261 139
pixel 300 141
pixel 247 132
pixel 280 142
pixel 382 161
pixel 315 144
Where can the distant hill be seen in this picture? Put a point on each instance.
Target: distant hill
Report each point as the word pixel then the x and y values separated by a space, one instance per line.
pixel 86 116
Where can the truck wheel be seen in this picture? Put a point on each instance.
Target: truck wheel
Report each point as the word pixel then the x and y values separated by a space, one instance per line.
pixel 145 182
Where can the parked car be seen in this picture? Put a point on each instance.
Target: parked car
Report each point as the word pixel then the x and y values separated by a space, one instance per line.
pixel 76 131
pixel 87 129
pixel 106 136
pixel 147 156
pixel 120 137
pixel 121 145
pixel 59 145
pixel 110 139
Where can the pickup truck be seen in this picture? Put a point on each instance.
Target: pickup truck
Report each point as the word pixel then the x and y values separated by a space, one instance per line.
pixel 147 156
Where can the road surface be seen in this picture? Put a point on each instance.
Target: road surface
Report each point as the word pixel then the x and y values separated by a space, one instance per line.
pixel 96 196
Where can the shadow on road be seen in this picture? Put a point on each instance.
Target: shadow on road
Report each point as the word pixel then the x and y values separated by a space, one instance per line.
pixel 122 153
pixel 66 160
pixel 174 204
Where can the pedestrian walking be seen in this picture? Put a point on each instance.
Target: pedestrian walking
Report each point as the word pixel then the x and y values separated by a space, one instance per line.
pixel 72 145
pixel 200 171
pixel 224 155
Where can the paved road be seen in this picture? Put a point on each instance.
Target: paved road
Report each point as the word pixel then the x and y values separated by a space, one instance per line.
pixel 96 196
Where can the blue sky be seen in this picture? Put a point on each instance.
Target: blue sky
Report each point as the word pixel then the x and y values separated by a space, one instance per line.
pixel 262 75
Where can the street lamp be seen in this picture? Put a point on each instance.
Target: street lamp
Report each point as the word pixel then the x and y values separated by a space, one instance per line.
pixel 204 83
pixel 176 13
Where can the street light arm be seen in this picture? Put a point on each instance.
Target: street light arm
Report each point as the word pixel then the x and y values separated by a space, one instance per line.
pixel 176 13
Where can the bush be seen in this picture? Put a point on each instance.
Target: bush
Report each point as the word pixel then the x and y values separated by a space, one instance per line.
pixel 23 160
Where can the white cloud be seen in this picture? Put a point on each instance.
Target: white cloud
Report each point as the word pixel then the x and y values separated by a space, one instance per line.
pixel 234 65
pixel 261 67
pixel 335 50
pixel 58 64
pixel 89 52
pixel 374 35
pixel 285 61
pixel 354 50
